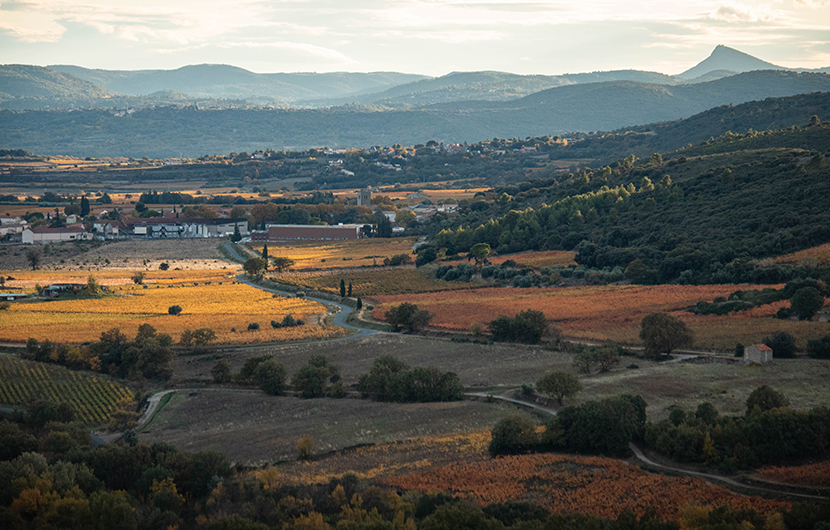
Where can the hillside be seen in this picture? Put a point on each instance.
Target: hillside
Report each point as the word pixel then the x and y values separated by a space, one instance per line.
pixel 20 80
pixel 696 218
pixel 175 131
pixel 224 81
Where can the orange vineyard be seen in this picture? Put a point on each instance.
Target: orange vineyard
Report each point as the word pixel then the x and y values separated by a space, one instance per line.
pixel 817 474
pixel 575 484
pixel 219 306
pixel 609 313
pixel 337 254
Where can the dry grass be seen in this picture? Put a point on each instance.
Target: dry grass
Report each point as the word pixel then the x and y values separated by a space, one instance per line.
pixel 220 306
pixel 254 428
pixel 610 313
pixel 819 255
pixel 338 254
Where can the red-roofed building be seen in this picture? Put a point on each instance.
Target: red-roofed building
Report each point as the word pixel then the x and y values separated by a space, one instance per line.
pixel 758 354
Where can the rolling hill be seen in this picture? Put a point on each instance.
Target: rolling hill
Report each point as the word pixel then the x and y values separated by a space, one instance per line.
pixel 586 107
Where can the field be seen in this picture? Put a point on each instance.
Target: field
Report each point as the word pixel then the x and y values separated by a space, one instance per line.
pixel 338 254
pixel 92 396
pixel 372 282
pixel 574 484
pixel 221 306
pixel 498 367
pixel 254 428
pixel 819 255
pixel 610 313
pixel 816 474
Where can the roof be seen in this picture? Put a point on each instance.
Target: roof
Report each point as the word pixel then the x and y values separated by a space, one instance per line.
pixel 763 347
pixel 63 230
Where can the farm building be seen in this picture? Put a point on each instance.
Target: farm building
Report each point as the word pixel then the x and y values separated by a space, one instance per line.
pixel 364 197
pixel 170 228
pixel 758 354
pixel 276 233
pixel 45 235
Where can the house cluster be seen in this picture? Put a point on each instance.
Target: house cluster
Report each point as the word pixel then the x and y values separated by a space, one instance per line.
pixel 138 228
pixel 169 228
pixel 11 226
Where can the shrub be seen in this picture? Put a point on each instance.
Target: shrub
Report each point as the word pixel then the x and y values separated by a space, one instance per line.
pixel 221 371
pixel 513 435
pixel 270 376
pixel 253 326
pixel 818 348
pixel 407 317
pixel 305 448
pixel 782 344
pixel 5 305
pixel 174 310
pixel 765 398
pixel 163 266
pixel 138 278
pixel 527 327
pixel 311 379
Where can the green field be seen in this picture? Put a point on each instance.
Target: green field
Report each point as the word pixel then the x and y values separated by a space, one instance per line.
pixel 92 396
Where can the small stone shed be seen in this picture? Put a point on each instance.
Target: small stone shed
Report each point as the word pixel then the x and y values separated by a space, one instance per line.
pixel 758 353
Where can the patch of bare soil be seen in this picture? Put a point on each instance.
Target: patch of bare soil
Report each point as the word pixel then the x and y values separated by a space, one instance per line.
pixel 254 428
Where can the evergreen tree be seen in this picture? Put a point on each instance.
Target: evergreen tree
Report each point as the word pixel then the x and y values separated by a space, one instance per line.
pixel 342 288
pixel 265 252
pixel 84 206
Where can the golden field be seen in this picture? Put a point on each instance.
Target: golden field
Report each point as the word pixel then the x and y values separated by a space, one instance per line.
pixel 220 306
pixel 819 255
pixel 27 280
pixel 610 313
pixel 338 254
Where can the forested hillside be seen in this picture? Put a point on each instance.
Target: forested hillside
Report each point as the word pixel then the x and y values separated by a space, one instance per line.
pixel 699 216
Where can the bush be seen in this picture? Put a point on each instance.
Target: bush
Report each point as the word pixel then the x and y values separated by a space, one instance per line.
pixel 311 379
pixel 175 310
pixel 305 448
pixel 527 327
pixel 138 278
pixel 270 376
pixel 765 398
pixel 221 371
pixel 782 344
pixel 513 435
pixel 253 326
pixel 163 266
pixel 407 317
pixel 819 348
pixel 392 380
pixel 5 305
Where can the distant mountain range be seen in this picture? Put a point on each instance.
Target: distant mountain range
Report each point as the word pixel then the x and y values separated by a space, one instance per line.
pixel 67 86
pixel 174 131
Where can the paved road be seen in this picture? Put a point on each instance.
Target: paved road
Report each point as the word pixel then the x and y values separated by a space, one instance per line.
pixel 339 319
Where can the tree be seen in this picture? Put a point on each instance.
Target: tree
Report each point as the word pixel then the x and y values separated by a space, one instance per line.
pixel 312 378
pixel 407 317
pixel 342 288
pixel 282 264
pixel 197 339
pixel 819 348
pixel 221 371
pixel 513 435
pixel 265 252
pixel 305 447
pixel 359 304
pixel 34 257
pixel 237 235
pixel 559 385
pixel 806 302
pixel 349 290
pixel 138 277
pixel 661 333
pixel 405 218
pixel 255 266
pixel 527 327
pixel 765 398
pixel 174 310
pixel 92 285
pixel 479 252
pixel 84 206
pixel 782 344
pixel 384 228
pixel 270 376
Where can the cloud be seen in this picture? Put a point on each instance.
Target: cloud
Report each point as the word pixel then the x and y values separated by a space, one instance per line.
pixel 735 12
pixel 308 49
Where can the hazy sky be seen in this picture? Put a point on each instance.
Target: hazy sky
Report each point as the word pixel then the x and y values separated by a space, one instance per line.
pixel 431 37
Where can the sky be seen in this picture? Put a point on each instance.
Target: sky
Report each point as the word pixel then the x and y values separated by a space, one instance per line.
pixel 430 37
